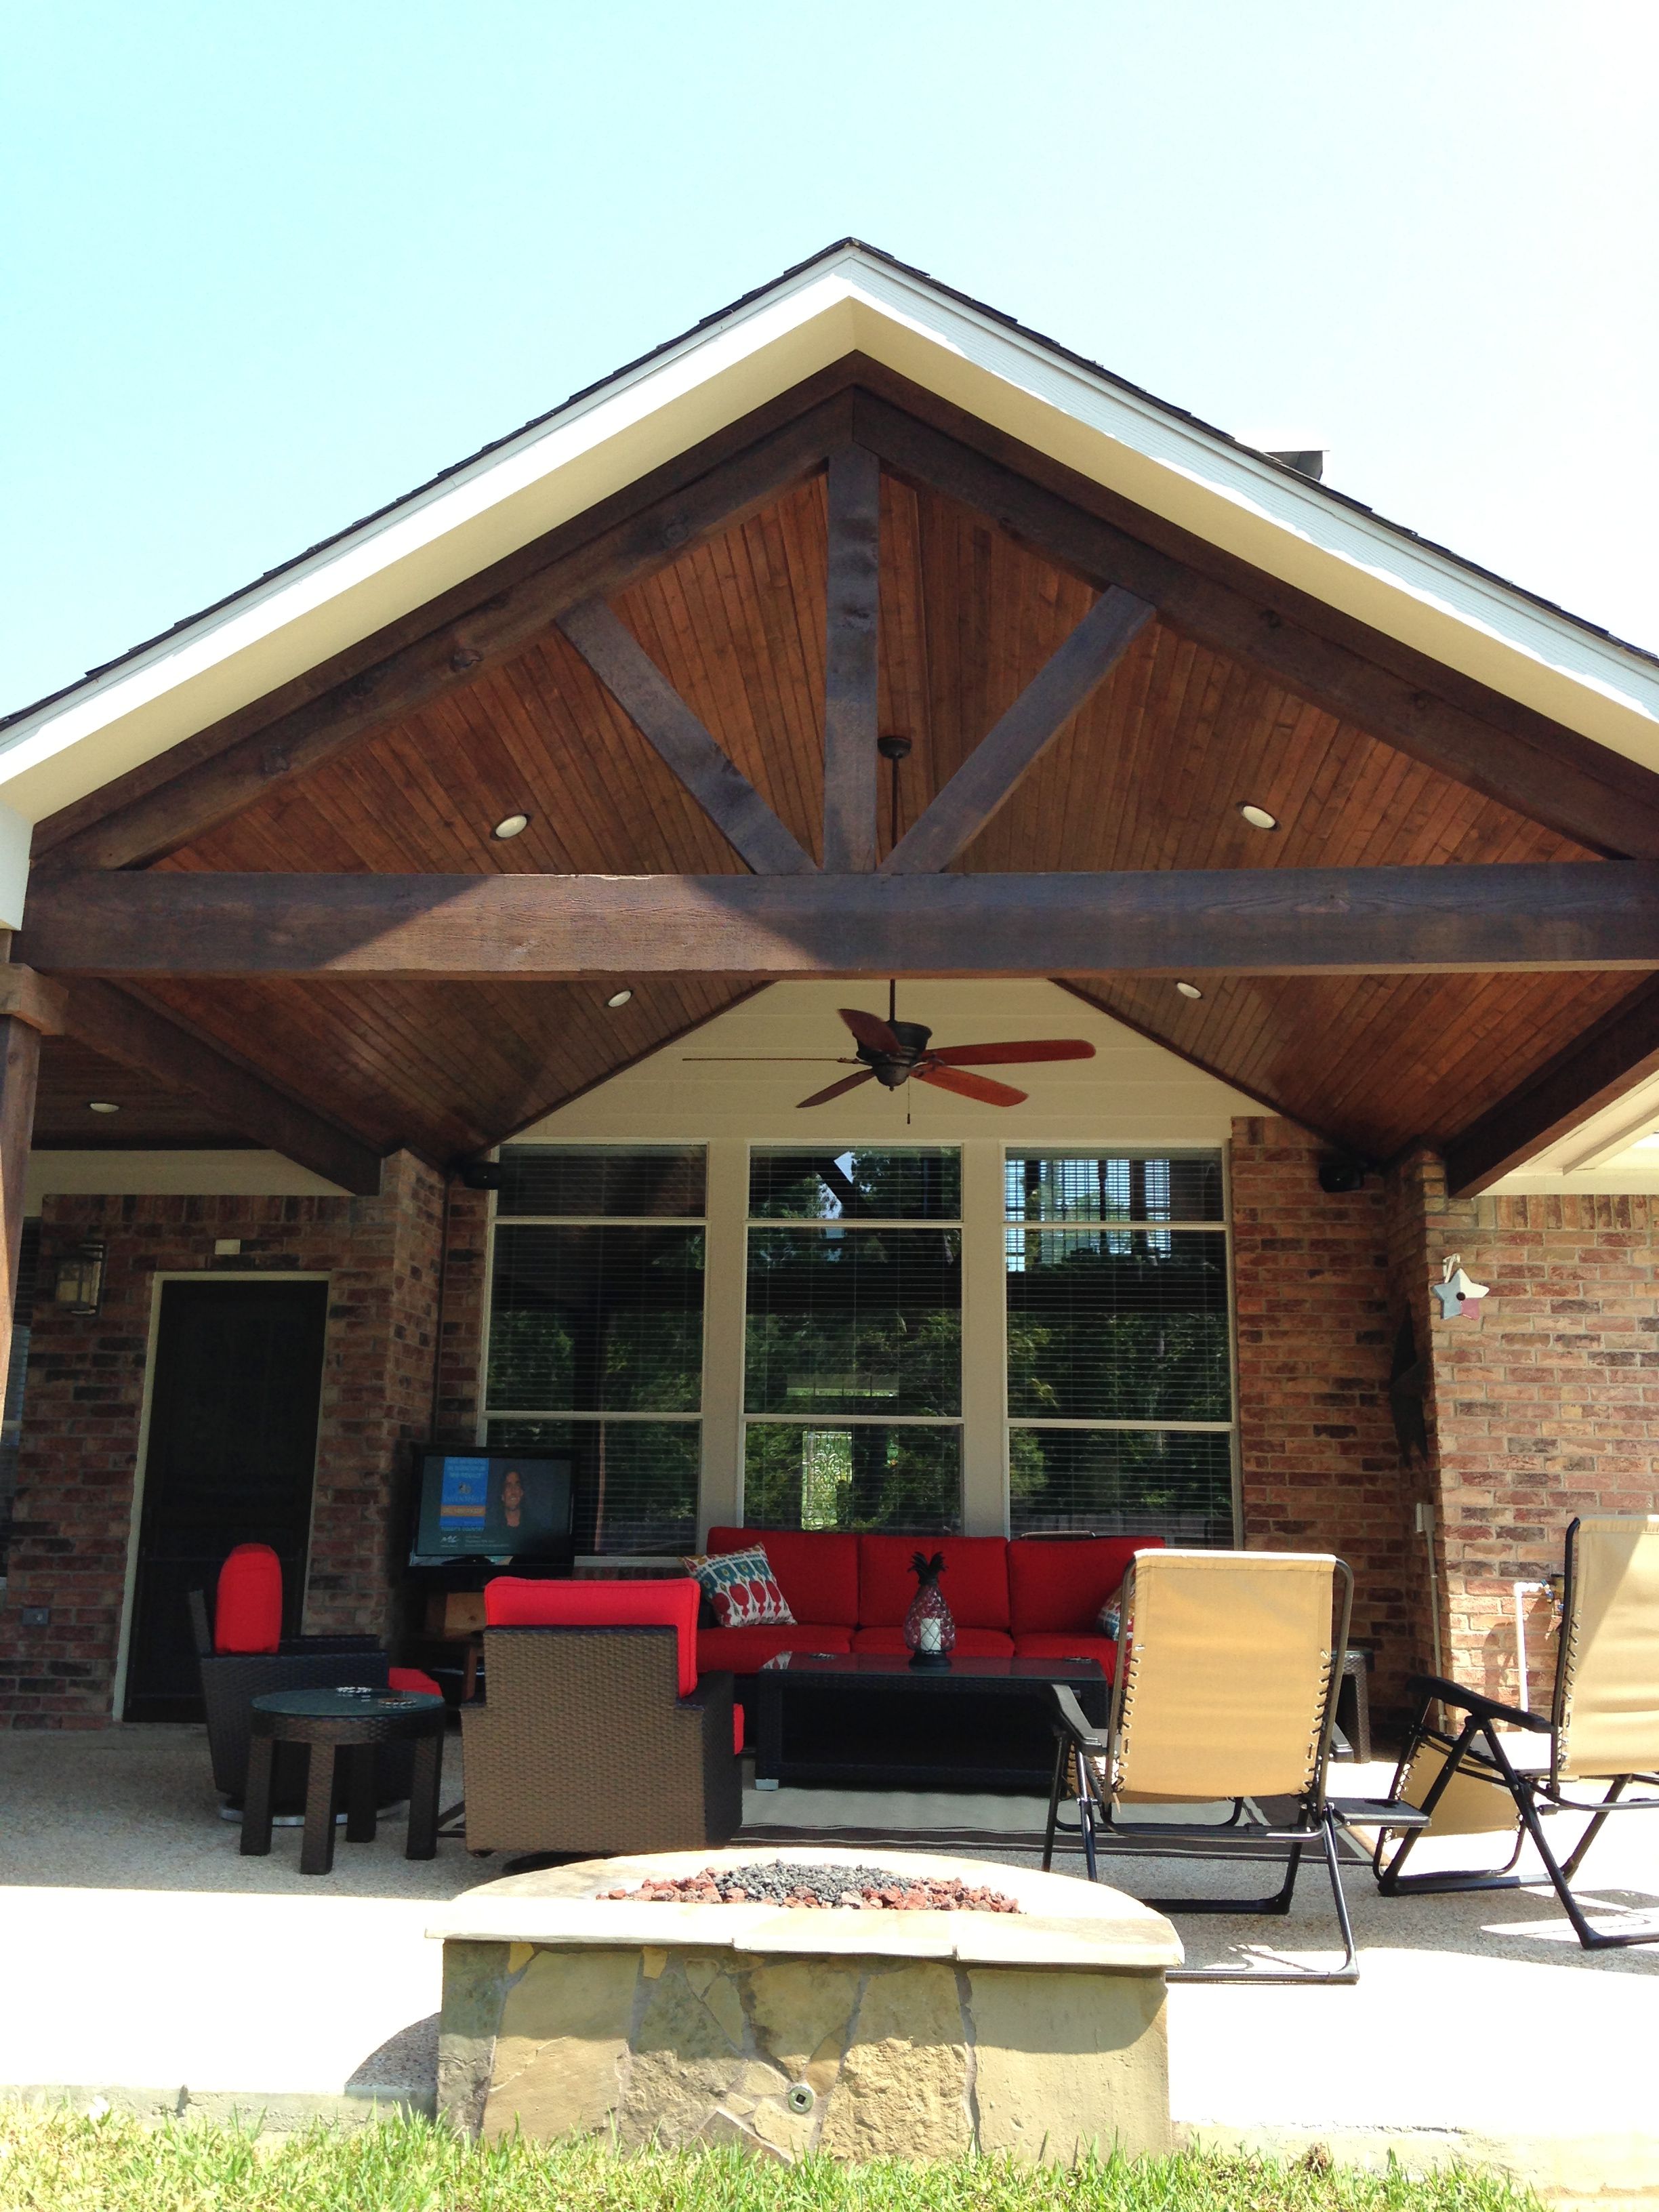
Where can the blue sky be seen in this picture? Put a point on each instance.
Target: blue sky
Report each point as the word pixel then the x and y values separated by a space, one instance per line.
pixel 264 266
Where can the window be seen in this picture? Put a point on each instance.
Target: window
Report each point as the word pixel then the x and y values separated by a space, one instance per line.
pixel 1120 1355
pixel 852 1340
pixel 596 1331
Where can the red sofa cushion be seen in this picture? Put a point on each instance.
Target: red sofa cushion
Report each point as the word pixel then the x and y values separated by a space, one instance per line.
pixel 817 1569
pixel 1069 1644
pixel 517 1601
pixel 970 1644
pixel 1057 1586
pixel 975 1583
pixel 745 1651
pixel 248 1605
pixel 411 1678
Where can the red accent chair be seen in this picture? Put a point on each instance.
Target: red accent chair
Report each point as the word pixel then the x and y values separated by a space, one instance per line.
pixel 244 1656
pixel 596 1733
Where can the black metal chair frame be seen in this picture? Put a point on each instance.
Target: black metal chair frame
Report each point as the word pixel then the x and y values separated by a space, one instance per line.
pixel 1477 1749
pixel 1314 1826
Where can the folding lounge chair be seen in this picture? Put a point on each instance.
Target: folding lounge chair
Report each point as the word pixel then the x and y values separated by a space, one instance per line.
pixel 1471 1774
pixel 1227 1680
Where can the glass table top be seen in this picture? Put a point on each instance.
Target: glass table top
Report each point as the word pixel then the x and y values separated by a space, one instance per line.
pixel 344 1704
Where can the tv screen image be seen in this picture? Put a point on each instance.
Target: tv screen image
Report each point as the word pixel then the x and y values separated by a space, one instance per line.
pixel 492 1506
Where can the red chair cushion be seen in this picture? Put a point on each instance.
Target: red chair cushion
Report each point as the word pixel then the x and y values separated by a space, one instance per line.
pixel 1069 1644
pixel 970 1644
pixel 248 1607
pixel 817 1569
pixel 410 1678
pixel 739 1730
pixel 975 1583
pixel 517 1601
pixel 746 1651
pixel 1060 1586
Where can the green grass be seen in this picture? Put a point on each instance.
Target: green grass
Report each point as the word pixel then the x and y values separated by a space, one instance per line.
pixel 64 2163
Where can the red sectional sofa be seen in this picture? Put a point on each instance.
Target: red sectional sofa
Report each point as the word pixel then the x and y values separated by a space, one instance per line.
pixel 1024 1598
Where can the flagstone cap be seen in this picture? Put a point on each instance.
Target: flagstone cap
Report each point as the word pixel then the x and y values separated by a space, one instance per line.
pixel 1062 1921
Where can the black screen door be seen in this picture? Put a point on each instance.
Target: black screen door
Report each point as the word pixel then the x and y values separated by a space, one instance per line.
pixel 232 1451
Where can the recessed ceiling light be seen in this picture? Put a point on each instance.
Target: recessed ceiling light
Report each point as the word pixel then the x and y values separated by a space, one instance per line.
pixel 1190 990
pixel 102 1106
pixel 1258 816
pixel 511 825
pixel 619 998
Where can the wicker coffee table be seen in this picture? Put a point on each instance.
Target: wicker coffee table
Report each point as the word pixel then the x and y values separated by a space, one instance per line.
pixel 352 1725
pixel 871 1719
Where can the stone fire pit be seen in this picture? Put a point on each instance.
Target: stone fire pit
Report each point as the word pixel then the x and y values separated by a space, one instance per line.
pixel 865 2034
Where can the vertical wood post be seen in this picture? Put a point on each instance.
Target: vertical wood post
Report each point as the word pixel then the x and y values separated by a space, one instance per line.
pixel 850 780
pixel 29 1005
pixel 20 1070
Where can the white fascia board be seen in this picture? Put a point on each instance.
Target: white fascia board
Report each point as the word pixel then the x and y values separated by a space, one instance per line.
pixel 1266 514
pixel 849 301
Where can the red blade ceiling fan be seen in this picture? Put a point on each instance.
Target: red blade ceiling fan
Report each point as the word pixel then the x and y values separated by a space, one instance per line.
pixel 892 1052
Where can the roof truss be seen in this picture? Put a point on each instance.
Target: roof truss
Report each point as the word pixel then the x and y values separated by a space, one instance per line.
pixel 853 422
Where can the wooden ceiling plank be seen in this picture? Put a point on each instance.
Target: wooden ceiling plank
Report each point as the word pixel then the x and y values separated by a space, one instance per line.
pixel 1477 736
pixel 662 717
pixel 596 555
pixel 852 671
pixel 122 1028
pixel 1594 1070
pixel 1256 920
pixel 1018 739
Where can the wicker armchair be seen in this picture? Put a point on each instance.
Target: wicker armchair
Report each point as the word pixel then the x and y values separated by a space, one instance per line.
pixel 597 1736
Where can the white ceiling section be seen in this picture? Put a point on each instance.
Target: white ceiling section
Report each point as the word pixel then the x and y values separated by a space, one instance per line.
pixel 849 299
pixel 1132 1092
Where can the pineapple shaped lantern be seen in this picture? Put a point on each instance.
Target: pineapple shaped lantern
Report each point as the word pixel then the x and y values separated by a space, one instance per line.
pixel 929 1630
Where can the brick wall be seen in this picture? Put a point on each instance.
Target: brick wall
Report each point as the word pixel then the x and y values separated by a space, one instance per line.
pixel 78 1462
pixel 1545 1404
pixel 1321 1467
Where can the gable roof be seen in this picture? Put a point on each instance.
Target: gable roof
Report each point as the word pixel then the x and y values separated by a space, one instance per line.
pixel 850 298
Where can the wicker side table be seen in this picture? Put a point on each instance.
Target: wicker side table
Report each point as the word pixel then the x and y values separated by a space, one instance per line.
pixel 351 1724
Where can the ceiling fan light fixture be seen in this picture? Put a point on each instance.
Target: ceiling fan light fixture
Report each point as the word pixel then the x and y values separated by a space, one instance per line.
pixel 1257 817
pixel 511 825
pixel 102 1106
pixel 619 998
pixel 1190 990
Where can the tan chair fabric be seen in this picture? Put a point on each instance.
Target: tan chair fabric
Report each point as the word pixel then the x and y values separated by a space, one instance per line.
pixel 1474 1804
pixel 1609 1720
pixel 1224 1684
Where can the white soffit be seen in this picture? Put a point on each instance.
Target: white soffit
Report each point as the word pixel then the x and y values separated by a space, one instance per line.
pixel 1133 1093
pixel 183 1174
pixel 1615 1151
pixel 849 300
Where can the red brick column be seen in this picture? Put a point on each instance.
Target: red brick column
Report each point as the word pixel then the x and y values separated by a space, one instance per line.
pixel 1544 1404
pixel 1321 1467
pixel 79 1455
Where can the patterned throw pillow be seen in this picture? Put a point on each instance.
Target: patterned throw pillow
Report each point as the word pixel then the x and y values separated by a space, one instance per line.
pixel 1110 1620
pixel 741 1587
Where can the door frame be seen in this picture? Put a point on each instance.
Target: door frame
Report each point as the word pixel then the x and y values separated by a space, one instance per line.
pixel 130 1580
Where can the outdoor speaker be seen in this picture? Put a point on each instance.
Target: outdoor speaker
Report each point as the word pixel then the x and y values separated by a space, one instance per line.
pixel 1338 1175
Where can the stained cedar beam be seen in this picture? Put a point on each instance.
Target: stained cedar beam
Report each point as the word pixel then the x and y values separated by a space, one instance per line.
pixel 122 1028
pixel 851 661
pixel 1262 922
pixel 669 727
pixel 19 1076
pixel 989 776
pixel 598 554
pixel 1596 1070
pixel 1480 738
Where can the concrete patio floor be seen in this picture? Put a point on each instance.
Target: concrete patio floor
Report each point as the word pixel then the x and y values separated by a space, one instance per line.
pixel 148 1962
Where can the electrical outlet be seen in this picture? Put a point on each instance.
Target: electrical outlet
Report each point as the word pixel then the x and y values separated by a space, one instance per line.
pixel 36 1616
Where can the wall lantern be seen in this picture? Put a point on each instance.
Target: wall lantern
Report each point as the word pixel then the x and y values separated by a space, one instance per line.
pixel 80 1287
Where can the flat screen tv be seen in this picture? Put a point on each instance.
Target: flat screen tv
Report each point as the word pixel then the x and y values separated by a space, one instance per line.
pixel 488 1504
